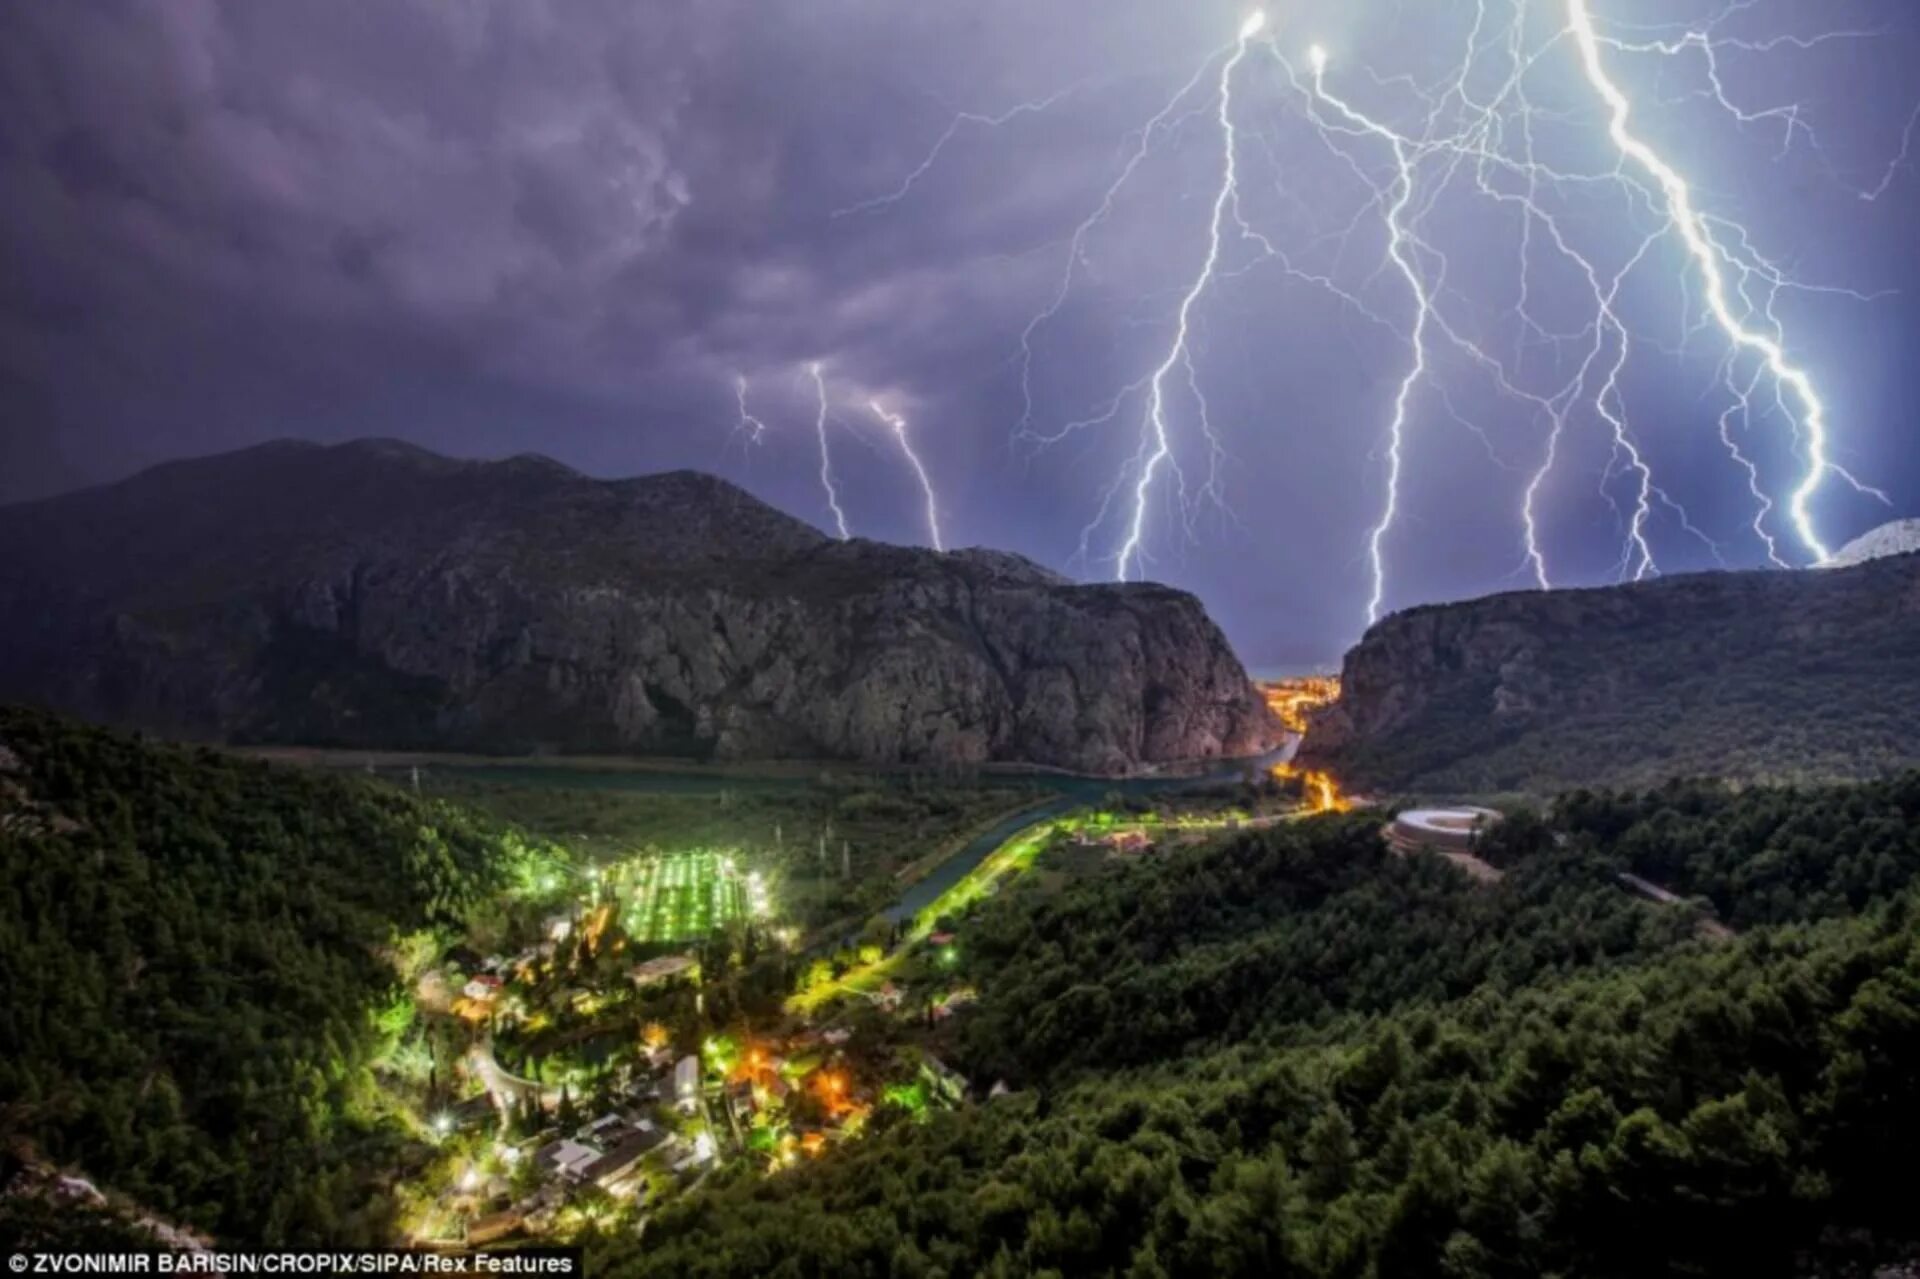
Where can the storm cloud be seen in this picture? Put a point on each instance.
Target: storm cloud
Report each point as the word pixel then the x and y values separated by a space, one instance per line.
pixel 568 226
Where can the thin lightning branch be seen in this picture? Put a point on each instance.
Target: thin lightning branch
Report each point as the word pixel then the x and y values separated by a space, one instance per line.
pixel 899 427
pixel 1606 321
pixel 1743 406
pixel 1637 554
pixel 1898 163
pixel 748 424
pixel 826 457
pixel 1077 243
pixel 953 127
pixel 1398 250
pixel 1790 115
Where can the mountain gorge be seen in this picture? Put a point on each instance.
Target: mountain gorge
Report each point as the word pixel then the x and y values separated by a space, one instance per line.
pixel 375 594
pixel 1751 676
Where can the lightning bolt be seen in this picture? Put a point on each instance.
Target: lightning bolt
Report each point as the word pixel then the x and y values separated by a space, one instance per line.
pixel 1399 250
pixel 1727 264
pixel 1742 405
pixel 1476 133
pixel 1696 233
pixel 1145 136
pixel 1157 449
pixel 749 425
pixel 1899 162
pixel 898 425
pixel 826 455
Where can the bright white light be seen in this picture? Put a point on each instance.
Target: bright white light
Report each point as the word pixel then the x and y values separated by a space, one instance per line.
pixel 752 425
pixel 1399 249
pixel 1473 128
pixel 1157 448
pixel 899 426
pixel 826 459
pixel 1708 256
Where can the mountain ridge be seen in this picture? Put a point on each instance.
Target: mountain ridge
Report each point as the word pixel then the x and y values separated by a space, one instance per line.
pixel 1747 675
pixel 375 593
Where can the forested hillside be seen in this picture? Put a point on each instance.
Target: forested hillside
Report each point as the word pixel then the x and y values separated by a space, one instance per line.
pixel 193 948
pixel 1282 1052
pixel 1273 931
pixel 1763 856
pixel 1287 1054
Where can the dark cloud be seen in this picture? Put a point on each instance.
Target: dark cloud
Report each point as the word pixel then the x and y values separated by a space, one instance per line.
pixel 499 225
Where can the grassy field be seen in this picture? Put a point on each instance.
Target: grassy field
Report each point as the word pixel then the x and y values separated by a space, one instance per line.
pixel 833 847
pixel 683 897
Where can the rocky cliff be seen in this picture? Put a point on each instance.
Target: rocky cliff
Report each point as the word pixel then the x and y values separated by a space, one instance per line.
pixel 374 594
pixel 1898 537
pixel 1776 675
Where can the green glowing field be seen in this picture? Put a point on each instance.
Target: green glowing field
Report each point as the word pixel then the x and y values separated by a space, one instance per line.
pixel 682 897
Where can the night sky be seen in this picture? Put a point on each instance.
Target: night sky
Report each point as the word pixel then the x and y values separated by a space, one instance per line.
pixel 498 226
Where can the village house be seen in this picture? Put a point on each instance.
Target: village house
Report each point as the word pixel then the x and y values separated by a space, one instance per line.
pixel 617 1171
pixel 686 1083
pixel 566 1158
pixel 494 1226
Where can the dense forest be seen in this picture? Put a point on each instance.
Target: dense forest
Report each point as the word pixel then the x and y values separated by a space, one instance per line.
pixel 194 947
pixel 1759 856
pixel 1270 930
pixel 1287 1053
pixel 1282 1051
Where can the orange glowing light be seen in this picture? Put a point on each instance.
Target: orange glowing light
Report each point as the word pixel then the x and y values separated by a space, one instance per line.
pixel 596 925
pixel 833 1092
pixel 1321 792
pixel 1293 701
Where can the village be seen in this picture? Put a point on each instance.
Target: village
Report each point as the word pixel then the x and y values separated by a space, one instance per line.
pixel 586 1078
pixel 640 1025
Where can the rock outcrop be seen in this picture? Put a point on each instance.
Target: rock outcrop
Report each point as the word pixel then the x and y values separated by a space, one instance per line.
pixel 1897 537
pixel 1764 675
pixel 374 594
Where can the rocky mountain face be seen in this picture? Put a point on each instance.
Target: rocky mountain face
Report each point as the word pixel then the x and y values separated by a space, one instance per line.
pixel 374 594
pixel 1897 537
pixel 1764 675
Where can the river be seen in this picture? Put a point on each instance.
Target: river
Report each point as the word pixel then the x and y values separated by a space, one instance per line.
pixel 1074 792
pixel 1071 791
